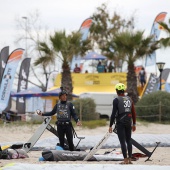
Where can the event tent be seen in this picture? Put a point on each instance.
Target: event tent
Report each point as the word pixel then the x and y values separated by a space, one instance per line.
pixel 33 92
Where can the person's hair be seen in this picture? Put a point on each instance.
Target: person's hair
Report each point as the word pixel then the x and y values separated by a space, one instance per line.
pixel 62 92
pixel 120 91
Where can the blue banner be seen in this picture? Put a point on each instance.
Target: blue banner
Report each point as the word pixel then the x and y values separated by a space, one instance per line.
pixel 8 77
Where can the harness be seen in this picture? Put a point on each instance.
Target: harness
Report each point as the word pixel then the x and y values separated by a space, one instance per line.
pixel 124 109
pixel 63 112
pixel 63 123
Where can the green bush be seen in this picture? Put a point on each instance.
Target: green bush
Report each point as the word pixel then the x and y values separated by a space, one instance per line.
pixel 86 109
pixel 154 107
pixel 92 124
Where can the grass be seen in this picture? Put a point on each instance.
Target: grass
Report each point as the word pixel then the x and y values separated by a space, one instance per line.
pixel 92 124
pixel 19 123
pixel 145 122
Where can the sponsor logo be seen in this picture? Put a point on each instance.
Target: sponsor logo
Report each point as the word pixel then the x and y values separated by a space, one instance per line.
pixel 70 154
pixel 5 87
pixel 21 99
pixel 91 80
pixel 23 85
pixel 23 81
pixel 3 64
pixel 152 84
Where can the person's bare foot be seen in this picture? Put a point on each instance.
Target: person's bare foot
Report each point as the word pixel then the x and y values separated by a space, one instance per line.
pixel 125 161
pixel 129 161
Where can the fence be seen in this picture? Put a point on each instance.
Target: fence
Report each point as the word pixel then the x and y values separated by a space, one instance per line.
pixel 159 112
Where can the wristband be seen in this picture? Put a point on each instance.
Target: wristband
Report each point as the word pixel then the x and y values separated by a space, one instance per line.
pixel 134 124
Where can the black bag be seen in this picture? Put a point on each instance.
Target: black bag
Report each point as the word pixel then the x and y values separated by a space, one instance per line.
pixel 4 154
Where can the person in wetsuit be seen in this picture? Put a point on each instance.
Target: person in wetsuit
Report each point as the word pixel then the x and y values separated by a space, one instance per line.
pixel 124 113
pixel 64 110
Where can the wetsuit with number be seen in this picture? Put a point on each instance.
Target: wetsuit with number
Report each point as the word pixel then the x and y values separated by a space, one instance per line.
pixel 124 113
pixel 64 110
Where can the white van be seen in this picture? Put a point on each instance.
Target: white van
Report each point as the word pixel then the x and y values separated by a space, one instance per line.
pixel 104 102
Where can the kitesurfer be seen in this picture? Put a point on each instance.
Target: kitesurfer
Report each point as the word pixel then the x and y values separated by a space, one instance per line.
pixel 64 110
pixel 124 113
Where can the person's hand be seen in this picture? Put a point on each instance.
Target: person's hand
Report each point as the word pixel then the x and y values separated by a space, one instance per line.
pixel 38 112
pixel 110 130
pixel 133 128
pixel 79 123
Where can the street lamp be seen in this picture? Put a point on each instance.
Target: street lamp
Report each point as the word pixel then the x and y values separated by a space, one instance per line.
pixel 160 66
pixel 26 29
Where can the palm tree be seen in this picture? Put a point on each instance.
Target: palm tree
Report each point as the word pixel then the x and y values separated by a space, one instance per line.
pixel 132 46
pixel 45 58
pixel 165 42
pixel 68 46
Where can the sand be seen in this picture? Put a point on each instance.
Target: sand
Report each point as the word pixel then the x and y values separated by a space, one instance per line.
pixel 11 133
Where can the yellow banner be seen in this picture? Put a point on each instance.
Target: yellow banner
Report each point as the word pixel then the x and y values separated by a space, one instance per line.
pixel 94 79
pixel 97 82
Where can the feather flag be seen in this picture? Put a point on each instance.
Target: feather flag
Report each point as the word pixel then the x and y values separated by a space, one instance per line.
pixel 3 60
pixel 84 29
pixel 8 77
pixel 152 85
pixel 155 31
pixel 23 84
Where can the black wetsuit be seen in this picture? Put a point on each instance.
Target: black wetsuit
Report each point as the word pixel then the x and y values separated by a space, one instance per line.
pixel 123 109
pixel 64 110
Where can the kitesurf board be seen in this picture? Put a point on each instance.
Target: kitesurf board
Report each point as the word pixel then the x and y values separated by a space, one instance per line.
pixel 144 150
pixel 31 142
pixel 140 147
pixel 63 155
pixel 97 146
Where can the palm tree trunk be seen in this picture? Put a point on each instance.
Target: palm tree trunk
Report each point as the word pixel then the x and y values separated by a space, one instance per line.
pixel 132 84
pixel 67 80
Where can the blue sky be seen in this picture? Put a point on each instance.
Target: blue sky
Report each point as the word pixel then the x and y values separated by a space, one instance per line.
pixel 69 15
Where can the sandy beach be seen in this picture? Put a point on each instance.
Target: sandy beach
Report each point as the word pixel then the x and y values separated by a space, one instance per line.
pixel 10 133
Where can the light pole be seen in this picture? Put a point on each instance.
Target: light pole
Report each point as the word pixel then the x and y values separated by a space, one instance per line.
pixel 160 66
pixel 26 29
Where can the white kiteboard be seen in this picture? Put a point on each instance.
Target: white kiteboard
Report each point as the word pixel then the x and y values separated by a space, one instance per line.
pixel 97 146
pixel 31 142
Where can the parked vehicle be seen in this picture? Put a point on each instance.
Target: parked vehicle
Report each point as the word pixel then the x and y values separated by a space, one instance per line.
pixel 104 102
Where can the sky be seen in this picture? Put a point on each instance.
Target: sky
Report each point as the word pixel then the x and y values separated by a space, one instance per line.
pixel 69 15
